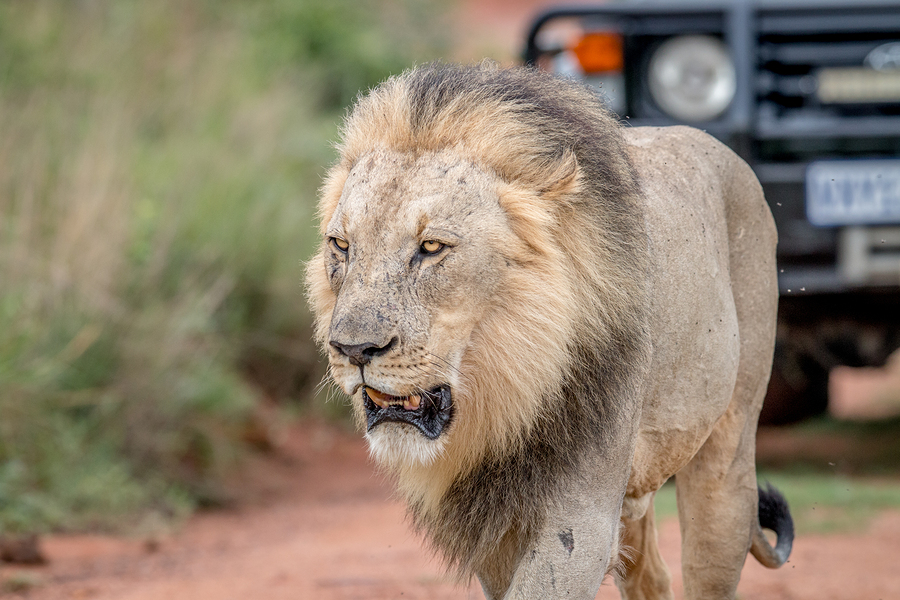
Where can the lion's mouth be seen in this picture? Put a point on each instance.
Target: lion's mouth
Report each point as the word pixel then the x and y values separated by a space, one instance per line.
pixel 429 412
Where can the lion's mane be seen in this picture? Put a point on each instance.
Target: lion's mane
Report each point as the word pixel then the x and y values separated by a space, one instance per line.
pixel 558 357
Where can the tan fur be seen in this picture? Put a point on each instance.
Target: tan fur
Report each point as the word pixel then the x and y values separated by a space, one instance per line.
pixel 544 317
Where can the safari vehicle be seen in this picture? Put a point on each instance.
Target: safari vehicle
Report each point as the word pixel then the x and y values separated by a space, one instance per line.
pixel 808 93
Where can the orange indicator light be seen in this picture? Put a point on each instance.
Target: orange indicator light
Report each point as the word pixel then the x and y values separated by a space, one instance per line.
pixel 600 52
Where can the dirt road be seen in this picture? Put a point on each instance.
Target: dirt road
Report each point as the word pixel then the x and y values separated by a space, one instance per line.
pixel 315 522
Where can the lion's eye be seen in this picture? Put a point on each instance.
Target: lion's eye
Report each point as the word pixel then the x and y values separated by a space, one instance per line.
pixel 431 247
pixel 341 245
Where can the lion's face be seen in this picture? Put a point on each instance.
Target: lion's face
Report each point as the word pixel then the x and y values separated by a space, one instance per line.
pixel 415 251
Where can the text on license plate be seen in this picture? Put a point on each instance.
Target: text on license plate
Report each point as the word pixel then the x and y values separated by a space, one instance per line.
pixel 853 192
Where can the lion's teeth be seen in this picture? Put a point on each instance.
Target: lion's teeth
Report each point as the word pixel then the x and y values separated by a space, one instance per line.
pixel 385 400
pixel 377 397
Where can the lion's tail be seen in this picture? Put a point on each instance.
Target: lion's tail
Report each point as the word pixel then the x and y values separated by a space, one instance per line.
pixel 775 515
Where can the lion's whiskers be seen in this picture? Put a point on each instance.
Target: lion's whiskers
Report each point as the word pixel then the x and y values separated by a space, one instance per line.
pixel 444 361
pixel 327 378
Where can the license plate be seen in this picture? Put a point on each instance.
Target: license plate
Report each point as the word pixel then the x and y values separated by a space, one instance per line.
pixel 852 85
pixel 853 192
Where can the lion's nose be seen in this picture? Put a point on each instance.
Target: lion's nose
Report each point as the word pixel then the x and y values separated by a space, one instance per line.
pixel 361 354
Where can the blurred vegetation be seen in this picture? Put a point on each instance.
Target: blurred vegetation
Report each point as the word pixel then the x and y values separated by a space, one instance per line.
pixel 158 169
pixel 868 448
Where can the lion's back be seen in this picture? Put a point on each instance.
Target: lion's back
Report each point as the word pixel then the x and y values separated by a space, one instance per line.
pixel 712 255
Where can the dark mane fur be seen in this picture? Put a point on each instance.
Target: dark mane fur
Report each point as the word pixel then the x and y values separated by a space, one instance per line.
pixel 502 502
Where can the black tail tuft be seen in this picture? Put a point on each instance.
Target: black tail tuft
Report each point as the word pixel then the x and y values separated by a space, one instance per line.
pixel 775 515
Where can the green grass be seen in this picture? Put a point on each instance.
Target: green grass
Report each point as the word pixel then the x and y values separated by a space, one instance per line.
pixel 158 170
pixel 836 475
pixel 820 503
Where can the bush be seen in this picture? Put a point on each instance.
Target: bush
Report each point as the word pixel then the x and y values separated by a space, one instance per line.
pixel 158 168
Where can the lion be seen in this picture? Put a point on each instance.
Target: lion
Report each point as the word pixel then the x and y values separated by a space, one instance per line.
pixel 540 317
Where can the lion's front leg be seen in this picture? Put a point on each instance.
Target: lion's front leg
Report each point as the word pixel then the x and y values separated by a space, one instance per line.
pixel 569 560
pixel 571 554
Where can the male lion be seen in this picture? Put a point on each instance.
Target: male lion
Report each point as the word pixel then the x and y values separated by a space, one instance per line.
pixel 541 316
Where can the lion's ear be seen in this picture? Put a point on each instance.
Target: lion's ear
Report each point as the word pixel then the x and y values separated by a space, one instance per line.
pixel 533 213
pixel 564 180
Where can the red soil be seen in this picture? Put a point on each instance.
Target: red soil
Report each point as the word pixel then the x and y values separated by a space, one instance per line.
pixel 314 521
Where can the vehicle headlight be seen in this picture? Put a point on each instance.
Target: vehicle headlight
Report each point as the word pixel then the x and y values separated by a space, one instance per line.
pixel 692 77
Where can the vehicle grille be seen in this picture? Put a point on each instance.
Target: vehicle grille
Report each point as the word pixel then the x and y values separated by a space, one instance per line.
pixel 794 47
